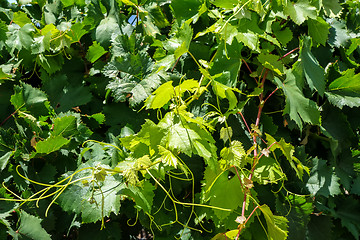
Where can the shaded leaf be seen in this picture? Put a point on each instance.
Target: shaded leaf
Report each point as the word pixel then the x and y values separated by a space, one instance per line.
pixel 323 180
pixel 314 73
pixel 142 196
pixel 30 226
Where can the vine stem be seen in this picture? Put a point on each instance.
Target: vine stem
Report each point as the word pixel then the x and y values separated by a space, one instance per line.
pixel 3 122
pixel 247 219
pixel 295 49
pixel 257 122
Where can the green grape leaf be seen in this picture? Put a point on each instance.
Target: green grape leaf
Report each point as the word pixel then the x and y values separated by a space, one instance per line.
pixel 146 141
pixel 91 203
pixel 300 11
pixel 188 138
pixel 51 144
pixel 142 196
pixel 234 155
pixel 345 90
pixel 299 108
pixel 282 35
pixel 65 126
pixel 339 34
pixel 276 225
pixel 136 80
pixel 314 73
pixel 226 193
pixel 31 99
pixel 107 27
pixel 320 227
pixel 180 43
pixel 271 62
pixel 349 82
pixel 167 157
pixel 161 96
pixel 4 159
pixel 225 92
pixel 268 171
pixel 318 29
pixel 323 180
pixel 3 30
pixel 76 32
pixel 98 117
pixel 4 76
pixel 348 211
pixel 95 52
pixel 227 62
pixel 64 95
pixel 226 134
pixel 30 226
pixel 21 18
pixel 297 210
pixel 288 150
pixel 332 8
pixel 185 9
pixel 51 63
pixel 228 4
pixel 20 37
pixel 41 44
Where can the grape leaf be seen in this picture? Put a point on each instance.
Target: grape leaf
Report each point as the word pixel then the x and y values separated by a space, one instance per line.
pixel 20 37
pixel 136 79
pixel 276 225
pixel 107 27
pixel 268 171
pixel 297 106
pixel 228 62
pixel 4 159
pixel 297 210
pixel 65 126
pixel 339 34
pixel 323 180
pixel 225 193
pixel 188 138
pixel 288 150
pixel 21 18
pixel 185 9
pixel 30 226
pixel 320 227
pixel 347 211
pixel 345 90
pixel 283 35
pixel 95 52
pixel 228 4
pixel 51 144
pixel 90 202
pixel 300 11
pixel 318 30
pixel 332 8
pixel 180 43
pixel 76 32
pixel 271 62
pixel 31 99
pixel 143 196
pixel 234 155
pixel 314 73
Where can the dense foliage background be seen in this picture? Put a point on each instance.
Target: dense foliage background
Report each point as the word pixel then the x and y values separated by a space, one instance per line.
pixel 198 119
